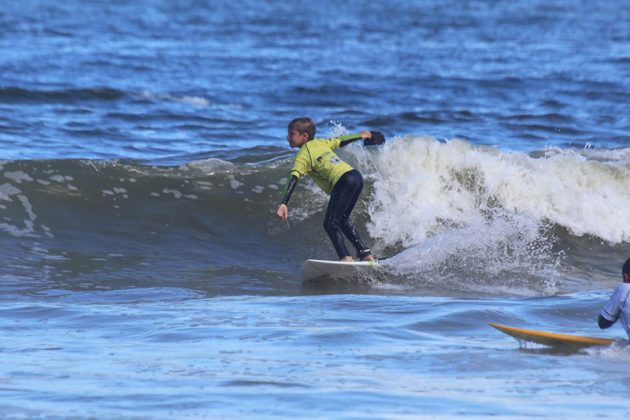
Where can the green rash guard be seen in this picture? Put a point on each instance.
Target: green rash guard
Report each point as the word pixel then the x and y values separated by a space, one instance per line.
pixel 316 157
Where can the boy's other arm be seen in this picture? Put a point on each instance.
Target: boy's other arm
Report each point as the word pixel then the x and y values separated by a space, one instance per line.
pixel 283 208
pixel 610 312
pixel 288 189
pixel 301 166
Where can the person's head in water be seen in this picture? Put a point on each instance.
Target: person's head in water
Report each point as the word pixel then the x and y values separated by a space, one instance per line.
pixel 626 271
pixel 300 131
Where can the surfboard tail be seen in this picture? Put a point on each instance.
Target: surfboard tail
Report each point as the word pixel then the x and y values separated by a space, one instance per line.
pixel 340 270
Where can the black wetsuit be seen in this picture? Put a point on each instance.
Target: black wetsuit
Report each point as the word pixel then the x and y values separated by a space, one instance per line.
pixel 337 222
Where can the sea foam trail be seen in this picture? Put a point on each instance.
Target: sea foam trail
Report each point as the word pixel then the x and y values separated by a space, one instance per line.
pixel 447 211
pixel 422 187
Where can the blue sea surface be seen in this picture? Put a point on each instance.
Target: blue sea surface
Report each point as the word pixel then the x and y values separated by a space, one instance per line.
pixel 156 79
pixel 143 273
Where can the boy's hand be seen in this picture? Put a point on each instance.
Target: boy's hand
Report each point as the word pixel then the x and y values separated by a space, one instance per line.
pixel 283 212
pixel 366 134
pixel 376 138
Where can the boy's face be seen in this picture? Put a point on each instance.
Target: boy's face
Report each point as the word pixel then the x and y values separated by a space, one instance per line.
pixel 296 139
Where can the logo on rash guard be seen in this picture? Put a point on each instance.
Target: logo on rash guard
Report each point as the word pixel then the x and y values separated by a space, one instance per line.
pixel 332 158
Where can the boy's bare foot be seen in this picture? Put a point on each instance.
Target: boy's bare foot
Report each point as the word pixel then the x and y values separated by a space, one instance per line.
pixel 368 258
pixel 347 259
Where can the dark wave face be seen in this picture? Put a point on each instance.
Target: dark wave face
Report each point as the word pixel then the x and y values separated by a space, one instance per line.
pixel 439 211
pixel 113 224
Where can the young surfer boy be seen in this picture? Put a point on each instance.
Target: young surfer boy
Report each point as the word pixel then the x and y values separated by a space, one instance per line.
pixel 619 305
pixel 338 179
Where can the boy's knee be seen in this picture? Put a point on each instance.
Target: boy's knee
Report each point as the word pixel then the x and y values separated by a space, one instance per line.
pixel 346 223
pixel 331 224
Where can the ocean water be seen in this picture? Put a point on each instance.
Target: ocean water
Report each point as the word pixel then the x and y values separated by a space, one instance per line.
pixel 143 273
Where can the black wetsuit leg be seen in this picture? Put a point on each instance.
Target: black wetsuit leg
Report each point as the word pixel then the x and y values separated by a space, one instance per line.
pixel 337 223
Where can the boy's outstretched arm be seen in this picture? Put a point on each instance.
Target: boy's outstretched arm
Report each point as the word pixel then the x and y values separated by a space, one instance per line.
pixel 369 138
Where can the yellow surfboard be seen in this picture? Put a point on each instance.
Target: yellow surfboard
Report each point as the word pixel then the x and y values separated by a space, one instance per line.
pixel 552 339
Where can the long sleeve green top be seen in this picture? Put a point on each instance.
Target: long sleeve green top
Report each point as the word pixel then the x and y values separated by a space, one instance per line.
pixel 317 158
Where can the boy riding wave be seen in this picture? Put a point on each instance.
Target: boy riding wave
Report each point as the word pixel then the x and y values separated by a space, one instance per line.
pixel 337 178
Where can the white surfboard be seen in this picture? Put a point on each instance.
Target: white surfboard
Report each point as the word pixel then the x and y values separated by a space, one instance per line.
pixel 338 270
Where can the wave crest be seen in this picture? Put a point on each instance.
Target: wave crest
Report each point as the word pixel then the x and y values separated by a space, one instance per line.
pixel 423 187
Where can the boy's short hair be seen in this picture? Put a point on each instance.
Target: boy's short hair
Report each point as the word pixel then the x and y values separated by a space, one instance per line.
pixel 626 267
pixel 303 125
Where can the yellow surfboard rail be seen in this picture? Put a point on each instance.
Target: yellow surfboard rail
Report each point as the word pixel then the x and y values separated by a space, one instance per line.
pixel 551 339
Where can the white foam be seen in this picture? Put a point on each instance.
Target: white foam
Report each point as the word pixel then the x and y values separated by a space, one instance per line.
pixel 193 100
pixel 234 183
pixel 47 231
pixel 619 351
pixel 423 187
pixel 337 129
pixel 509 254
pixel 209 166
pixel 28 208
pixel 186 99
pixel 7 190
pixel 479 218
pixel 177 194
pixel 18 176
